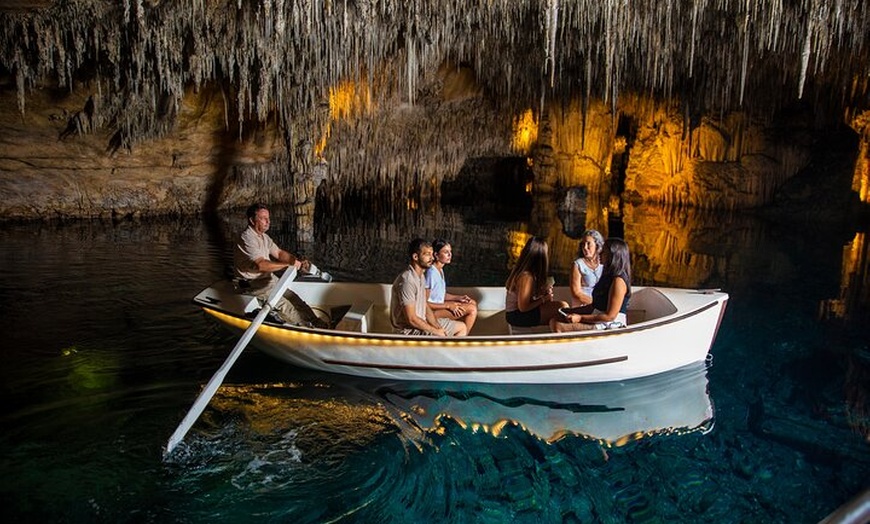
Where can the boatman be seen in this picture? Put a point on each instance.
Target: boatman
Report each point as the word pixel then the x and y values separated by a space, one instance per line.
pixel 410 313
pixel 255 259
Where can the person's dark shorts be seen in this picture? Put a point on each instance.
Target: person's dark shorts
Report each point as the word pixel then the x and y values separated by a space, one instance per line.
pixel 524 318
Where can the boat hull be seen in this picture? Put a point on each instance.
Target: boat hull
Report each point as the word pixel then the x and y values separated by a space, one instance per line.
pixel 682 337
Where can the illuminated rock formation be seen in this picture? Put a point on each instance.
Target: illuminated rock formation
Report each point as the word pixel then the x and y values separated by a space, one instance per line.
pixel 680 101
pixel 861 180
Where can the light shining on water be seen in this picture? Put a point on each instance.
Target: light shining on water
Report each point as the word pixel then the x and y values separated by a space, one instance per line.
pixel 103 353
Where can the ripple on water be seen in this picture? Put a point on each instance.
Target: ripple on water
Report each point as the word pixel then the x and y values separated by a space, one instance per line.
pixel 634 500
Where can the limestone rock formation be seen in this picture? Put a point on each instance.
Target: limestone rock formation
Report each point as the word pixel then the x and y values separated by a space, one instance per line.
pixel 167 107
pixel 58 162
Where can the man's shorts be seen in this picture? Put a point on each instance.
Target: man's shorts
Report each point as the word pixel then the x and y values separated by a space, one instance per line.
pixel 450 326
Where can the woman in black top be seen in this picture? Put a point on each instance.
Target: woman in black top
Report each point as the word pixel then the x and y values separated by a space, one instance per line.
pixel 611 294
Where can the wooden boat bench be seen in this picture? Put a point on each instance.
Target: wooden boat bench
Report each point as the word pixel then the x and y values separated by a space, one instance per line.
pixel 358 318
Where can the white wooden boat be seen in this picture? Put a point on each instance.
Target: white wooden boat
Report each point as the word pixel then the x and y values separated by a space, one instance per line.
pixel 668 328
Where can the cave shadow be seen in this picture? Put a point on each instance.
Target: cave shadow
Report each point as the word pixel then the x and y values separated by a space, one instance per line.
pixel 491 188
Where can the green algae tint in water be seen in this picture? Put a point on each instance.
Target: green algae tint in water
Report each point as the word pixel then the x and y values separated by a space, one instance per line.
pixel 104 353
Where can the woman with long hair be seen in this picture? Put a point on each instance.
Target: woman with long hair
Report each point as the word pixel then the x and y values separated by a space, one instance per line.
pixel 529 300
pixel 610 296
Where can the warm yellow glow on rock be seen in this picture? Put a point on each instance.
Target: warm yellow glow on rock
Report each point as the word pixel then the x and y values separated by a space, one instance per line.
pixel 346 100
pixel 853 279
pixel 516 241
pixel 525 132
pixel 861 180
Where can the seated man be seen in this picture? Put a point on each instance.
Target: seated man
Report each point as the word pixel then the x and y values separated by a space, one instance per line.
pixel 410 313
pixel 255 259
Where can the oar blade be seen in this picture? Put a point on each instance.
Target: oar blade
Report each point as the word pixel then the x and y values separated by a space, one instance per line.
pixel 214 383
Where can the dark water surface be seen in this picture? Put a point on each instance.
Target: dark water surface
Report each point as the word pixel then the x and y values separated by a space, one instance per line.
pixel 103 354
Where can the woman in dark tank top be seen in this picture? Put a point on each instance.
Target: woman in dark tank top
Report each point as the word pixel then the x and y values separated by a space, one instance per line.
pixel 611 294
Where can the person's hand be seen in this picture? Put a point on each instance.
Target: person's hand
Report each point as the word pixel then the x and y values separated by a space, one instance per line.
pixel 548 294
pixel 456 310
pixel 305 265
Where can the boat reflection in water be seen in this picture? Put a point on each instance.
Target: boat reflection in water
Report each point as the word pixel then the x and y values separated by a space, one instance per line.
pixel 318 408
pixel 612 413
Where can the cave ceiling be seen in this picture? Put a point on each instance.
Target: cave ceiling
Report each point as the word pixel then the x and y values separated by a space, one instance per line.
pixel 279 58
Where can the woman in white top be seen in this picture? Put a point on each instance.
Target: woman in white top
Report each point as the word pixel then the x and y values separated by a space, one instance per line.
pixel 447 305
pixel 586 270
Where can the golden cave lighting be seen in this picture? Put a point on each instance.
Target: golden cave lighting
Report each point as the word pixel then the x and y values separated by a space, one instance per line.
pixel 345 101
pixel 525 132
pixel 321 144
pixel 853 267
pixel 852 257
pixel 516 241
pixel 861 179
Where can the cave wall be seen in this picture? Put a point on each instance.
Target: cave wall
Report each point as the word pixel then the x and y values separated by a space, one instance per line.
pixel 134 107
pixel 861 180
pixel 382 143
pixel 657 156
pixel 57 161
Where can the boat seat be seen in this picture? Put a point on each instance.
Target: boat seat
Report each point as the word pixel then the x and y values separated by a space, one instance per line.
pixel 517 330
pixel 635 316
pixel 358 318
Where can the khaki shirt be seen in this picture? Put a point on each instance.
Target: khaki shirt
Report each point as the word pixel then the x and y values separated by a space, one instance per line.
pixel 408 288
pixel 250 247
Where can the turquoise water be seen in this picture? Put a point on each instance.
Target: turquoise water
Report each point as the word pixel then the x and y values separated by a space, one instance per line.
pixel 103 353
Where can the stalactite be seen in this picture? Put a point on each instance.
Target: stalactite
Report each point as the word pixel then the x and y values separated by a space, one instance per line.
pixel 365 35
pixel 805 56
pixel 281 57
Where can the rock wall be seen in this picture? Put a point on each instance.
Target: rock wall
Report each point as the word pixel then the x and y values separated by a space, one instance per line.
pixel 56 160
pixel 619 97
pixel 861 181
pixel 653 154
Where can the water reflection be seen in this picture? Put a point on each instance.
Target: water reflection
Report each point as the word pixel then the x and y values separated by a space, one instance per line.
pixel 106 353
pixel 670 247
pixel 354 412
pixel 611 413
pixel 854 296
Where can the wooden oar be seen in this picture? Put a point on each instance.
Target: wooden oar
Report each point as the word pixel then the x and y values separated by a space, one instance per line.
pixel 215 382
